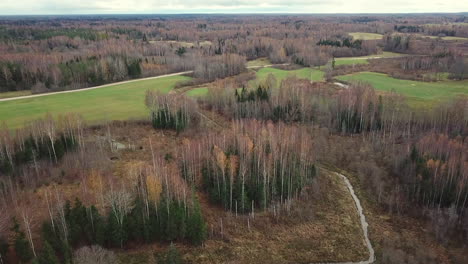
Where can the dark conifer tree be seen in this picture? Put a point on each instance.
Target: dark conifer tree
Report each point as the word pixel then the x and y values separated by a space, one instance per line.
pixel 22 247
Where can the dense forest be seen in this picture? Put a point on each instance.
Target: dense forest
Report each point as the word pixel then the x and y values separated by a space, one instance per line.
pixel 73 191
pixel 44 54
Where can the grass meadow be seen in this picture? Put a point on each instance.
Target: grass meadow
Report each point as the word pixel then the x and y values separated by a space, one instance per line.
pixel 117 102
pixel 365 59
pixel 365 36
pixel 419 94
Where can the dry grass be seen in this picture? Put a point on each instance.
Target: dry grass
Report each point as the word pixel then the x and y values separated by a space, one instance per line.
pixel 322 226
pixel 398 237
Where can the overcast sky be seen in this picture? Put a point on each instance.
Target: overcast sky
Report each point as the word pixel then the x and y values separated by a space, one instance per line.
pixel 16 7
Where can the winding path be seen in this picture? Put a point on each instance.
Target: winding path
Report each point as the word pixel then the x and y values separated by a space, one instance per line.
pixel 364 226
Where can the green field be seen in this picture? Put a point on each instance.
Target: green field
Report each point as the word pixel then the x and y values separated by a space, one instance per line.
pixel 197 92
pixel 117 102
pixel 303 73
pixel 447 38
pixel 419 94
pixel 365 36
pixel 262 74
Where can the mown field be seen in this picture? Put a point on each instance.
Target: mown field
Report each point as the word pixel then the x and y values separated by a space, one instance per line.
pixel 262 74
pixel 365 36
pixel 118 102
pixel 259 62
pixel 303 73
pixel 447 38
pixel 365 59
pixel 419 94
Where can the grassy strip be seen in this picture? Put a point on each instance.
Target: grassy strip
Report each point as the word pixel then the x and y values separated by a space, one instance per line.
pixel 116 102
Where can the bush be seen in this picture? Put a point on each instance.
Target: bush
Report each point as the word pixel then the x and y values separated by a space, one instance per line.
pixel 171 256
pixel 94 255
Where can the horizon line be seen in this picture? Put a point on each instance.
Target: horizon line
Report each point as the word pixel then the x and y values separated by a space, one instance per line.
pixel 240 13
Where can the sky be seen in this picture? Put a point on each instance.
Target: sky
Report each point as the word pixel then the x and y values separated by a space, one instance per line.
pixel 50 7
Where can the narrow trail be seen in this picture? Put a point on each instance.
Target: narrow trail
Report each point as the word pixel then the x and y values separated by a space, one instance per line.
pixel 364 226
pixel 122 82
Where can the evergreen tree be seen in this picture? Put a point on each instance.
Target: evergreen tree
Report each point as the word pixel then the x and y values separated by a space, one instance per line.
pixel 47 255
pixel 171 256
pixel 116 233
pixel 196 227
pixel 22 247
pixel 3 248
pixel 95 227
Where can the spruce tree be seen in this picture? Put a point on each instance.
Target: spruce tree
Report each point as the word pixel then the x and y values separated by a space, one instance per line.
pixel 96 227
pixel 171 256
pixel 22 247
pixel 47 255
pixel 196 227
pixel 3 248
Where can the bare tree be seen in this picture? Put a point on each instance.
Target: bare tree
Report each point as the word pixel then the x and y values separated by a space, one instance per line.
pixel 94 255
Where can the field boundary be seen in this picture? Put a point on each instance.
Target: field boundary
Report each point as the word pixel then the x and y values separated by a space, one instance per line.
pixel 122 82
pixel 95 87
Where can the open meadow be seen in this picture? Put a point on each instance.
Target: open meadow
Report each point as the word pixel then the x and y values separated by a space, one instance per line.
pixel 418 94
pixel 365 36
pixel 116 102
pixel 365 59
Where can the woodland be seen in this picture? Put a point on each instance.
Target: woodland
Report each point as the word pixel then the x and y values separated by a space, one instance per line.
pixel 247 171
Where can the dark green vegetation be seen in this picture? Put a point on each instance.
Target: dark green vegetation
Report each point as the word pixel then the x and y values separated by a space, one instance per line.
pixel 175 112
pixel 349 43
pixel 44 140
pixel 34 149
pixel 24 34
pixel 169 220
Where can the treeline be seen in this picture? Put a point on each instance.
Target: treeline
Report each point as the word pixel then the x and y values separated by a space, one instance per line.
pixel 257 165
pixel 353 110
pixel 171 111
pixel 290 101
pixel 69 54
pixel 218 67
pixel 157 206
pixel 45 139
pixel 349 43
pixel 439 62
pixel 436 171
pixel 397 43
pixel 78 225
pixel 25 34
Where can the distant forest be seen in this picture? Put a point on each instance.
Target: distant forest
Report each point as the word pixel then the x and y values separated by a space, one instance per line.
pixel 49 53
